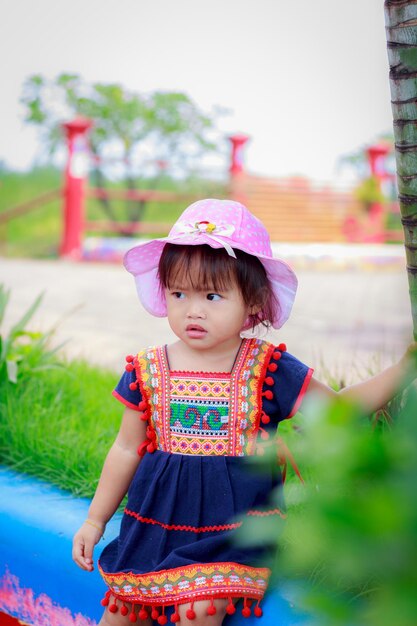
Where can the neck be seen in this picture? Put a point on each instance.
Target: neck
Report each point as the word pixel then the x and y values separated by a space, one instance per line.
pixel 182 357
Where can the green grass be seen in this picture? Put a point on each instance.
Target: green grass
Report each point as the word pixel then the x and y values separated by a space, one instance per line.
pixel 19 187
pixel 36 233
pixel 57 424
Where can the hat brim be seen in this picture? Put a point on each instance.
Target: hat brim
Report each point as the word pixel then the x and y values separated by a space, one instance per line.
pixel 143 260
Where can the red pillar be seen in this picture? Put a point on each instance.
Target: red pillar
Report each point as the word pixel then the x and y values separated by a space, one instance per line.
pixel 377 155
pixel 74 187
pixel 376 158
pixel 236 158
pixel 236 171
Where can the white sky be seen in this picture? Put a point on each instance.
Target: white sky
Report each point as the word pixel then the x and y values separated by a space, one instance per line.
pixel 306 79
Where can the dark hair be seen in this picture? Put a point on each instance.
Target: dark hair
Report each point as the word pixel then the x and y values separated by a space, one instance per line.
pixel 205 268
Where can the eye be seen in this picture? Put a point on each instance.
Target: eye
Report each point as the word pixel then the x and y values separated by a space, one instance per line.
pixel 213 297
pixel 178 295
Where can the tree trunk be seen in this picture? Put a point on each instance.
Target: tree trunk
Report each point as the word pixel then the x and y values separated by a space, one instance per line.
pixel 401 27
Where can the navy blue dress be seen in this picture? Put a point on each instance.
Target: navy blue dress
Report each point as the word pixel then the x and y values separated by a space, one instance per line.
pixel 193 488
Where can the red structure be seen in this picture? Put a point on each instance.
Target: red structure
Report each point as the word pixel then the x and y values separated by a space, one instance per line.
pixel 377 155
pixel 236 159
pixel 75 182
pixel 74 187
pixel 373 229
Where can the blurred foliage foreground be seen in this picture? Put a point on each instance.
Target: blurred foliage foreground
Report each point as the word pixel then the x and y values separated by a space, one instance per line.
pixel 350 538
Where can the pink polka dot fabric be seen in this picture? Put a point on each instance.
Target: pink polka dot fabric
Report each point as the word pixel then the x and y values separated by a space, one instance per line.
pixel 220 224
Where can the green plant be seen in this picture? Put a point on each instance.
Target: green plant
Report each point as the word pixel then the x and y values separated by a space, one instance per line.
pixel 57 419
pixel 350 541
pixel 58 424
pixel 369 192
pixel 22 350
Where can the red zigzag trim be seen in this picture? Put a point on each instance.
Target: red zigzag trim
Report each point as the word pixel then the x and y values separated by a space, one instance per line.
pixel 201 529
pixel 194 529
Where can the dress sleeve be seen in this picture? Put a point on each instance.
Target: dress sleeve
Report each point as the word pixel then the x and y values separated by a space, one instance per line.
pixel 127 390
pixel 288 383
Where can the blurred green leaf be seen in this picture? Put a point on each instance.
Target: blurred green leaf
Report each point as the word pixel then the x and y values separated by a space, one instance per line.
pixel 23 350
pixel 351 533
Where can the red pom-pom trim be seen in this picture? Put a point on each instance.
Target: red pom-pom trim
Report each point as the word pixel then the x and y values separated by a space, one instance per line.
pixel 282 347
pixel 113 608
pixel 133 386
pixel 211 609
pixel 142 448
pixel 151 447
pixel 142 406
pixel 154 614
pixel 190 614
pixel 129 367
pixel 265 419
pixel 130 358
pixel 257 611
pixel 124 610
pixel 162 619
pixel 175 617
pixel 277 356
pixel 268 394
pixel 144 417
pixel 106 599
pixel 272 367
pixel 230 609
pixel 132 617
pixel 143 614
pixel 269 380
pixel 246 607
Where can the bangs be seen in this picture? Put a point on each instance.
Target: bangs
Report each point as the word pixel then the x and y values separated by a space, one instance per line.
pixel 201 268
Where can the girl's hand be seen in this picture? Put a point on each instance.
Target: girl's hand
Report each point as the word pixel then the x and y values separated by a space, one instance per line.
pixel 83 544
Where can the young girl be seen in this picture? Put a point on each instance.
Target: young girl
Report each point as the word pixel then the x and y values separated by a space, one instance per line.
pixel 194 411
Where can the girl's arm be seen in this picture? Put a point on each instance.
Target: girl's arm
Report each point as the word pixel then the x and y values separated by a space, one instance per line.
pixel 374 393
pixel 118 470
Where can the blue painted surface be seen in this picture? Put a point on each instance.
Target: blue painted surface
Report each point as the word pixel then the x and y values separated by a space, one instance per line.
pixel 37 523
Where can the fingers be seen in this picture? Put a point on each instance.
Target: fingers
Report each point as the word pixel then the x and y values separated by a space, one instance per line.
pixel 88 555
pixel 82 553
pixel 83 545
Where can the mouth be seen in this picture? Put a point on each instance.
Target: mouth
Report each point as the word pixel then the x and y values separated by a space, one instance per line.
pixel 194 331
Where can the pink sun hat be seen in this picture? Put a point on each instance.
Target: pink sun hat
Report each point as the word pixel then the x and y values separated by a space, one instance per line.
pixel 219 224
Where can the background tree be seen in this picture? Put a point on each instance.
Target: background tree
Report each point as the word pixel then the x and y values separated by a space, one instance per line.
pixel 401 23
pixel 168 125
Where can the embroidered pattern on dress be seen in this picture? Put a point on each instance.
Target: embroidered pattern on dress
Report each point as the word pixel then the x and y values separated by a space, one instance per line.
pixel 182 584
pixel 199 414
pixel 247 380
pixel 206 413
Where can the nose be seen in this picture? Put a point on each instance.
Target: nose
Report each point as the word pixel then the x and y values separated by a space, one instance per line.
pixel 196 308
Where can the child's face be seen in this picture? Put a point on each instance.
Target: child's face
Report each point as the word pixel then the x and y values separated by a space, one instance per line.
pixel 206 320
